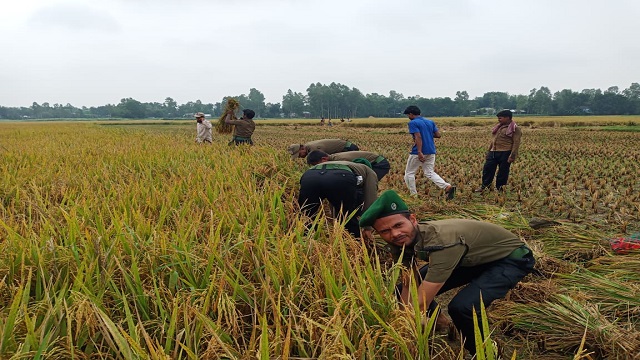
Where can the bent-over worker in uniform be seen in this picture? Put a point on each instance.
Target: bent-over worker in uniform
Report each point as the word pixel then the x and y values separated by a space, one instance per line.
pixel 330 146
pixel 348 186
pixel 485 258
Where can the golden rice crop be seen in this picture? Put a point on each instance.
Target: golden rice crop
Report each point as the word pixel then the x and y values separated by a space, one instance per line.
pixel 130 241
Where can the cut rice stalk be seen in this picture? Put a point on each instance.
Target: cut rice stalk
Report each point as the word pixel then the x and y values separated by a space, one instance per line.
pixel 232 106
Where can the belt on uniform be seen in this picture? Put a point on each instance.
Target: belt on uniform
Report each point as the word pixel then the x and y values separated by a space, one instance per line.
pixel 332 167
pixel 378 159
pixel 519 253
pixel 241 138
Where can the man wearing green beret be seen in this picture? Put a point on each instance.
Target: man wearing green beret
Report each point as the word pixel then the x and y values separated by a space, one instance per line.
pixel 378 163
pixel 485 258
pixel 348 186
pixel 330 146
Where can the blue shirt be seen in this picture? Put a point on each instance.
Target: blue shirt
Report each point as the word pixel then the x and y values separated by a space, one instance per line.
pixel 426 128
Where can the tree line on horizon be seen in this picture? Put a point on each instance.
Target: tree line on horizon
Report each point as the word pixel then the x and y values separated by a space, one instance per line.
pixel 339 101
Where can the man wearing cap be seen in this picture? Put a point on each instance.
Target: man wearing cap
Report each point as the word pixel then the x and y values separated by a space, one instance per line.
pixel 485 258
pixel 379 164
pixel 244 127
pixel 203 129
pixel 423 153
pixel 330 146
pixel 348 187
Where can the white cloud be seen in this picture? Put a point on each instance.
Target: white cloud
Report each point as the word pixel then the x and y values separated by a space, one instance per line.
pixel 73 18
pixel 89 52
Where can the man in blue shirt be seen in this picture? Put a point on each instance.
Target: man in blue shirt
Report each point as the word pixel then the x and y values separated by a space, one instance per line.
pixel 423 153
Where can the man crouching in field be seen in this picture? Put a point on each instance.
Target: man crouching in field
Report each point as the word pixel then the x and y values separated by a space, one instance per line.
pixel 485 258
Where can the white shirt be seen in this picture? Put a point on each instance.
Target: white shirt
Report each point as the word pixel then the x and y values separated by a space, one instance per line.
pixel 204 132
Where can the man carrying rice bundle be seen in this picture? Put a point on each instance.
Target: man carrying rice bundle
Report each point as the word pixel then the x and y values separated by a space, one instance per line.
pixel 244 127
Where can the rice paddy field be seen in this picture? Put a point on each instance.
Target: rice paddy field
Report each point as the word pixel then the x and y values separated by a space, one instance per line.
pixel 129 241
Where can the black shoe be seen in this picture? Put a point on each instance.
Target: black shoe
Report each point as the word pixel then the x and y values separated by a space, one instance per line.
pixel 451 193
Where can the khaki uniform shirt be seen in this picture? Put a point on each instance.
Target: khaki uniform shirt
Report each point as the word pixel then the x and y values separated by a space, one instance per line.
pixel 459 242
pixel 204 131
pixel 244 128
pixel 502 142
pixel 351 155
pixel 369 177
pixel 330 146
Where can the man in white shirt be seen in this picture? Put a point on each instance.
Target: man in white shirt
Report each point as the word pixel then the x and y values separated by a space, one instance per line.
pixel 203 129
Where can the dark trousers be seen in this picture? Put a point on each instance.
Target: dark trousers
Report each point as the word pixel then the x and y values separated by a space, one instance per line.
pixel 338 187
pixel 496 159
pixel 240 141
pixel 381 168
pixel 493 280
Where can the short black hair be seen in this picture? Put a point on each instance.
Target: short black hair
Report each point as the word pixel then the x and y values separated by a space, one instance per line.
pixel 249 113
pixel 505 113
pixel 314 157
pixel 413 110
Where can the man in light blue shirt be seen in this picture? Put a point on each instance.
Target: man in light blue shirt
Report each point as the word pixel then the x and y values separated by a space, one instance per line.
pixel 423 153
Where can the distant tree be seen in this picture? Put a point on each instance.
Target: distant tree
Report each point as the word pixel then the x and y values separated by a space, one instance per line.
pixel 318 97
pixel 611 103
pixel 272 110
pixel 612 90
pixel 131 109
pixel 155 110
pixel 170 108
pixel 540 101
pixel 632 92
pixel 568 102
pixel 375 105
pixel 462 103
pixel 35 110
pixel 105 111
pixel 355 101
pixel 255 102
pixel 293 103
pixel 496 100
pixel 337 100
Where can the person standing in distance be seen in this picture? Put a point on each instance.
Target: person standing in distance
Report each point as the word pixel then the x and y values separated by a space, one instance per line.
pixel 503 150
pixel 423 153
pixel 203 129
pixel 244 127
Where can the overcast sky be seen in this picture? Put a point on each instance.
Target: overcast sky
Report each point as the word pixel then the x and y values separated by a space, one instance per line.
pixel 94 52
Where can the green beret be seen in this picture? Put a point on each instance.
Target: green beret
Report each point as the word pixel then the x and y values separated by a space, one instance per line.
pixel 362 161
pixel 388 203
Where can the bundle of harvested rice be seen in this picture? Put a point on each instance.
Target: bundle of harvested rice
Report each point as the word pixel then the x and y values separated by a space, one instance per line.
pixel 559 325
pixel 232 106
